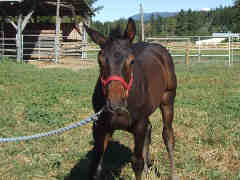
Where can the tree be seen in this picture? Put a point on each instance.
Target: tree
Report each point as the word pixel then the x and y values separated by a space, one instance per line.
pixel 186 23
pixel 170 26
pixel 158 24
pixel 96 9
pixel 153 25
pixel 236 18
pixel 237 3
pixel 223 19
pixel 51 19
pixel 181 25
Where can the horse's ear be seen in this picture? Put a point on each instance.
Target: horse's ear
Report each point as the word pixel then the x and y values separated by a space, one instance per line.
pixel 97 37
pixel 130 32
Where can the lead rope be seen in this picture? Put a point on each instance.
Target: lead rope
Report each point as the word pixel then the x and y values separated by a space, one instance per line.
pixel 93 118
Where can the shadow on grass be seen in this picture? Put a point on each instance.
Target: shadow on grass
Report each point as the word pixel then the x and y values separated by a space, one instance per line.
pixel 115 158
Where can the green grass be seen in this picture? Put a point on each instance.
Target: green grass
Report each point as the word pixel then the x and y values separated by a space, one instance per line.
pixel 36 100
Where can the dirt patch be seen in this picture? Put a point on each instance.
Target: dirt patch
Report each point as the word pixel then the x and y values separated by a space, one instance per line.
pixel 73 63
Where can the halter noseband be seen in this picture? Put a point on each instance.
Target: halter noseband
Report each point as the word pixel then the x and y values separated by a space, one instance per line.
pixel 126 85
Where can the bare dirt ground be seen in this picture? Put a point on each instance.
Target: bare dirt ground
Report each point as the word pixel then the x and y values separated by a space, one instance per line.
pixel 73 63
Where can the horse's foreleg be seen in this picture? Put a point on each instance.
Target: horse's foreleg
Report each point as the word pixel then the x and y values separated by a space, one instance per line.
pixel 142 138
pixel 110 138
pixel 101 138
pixel 168 136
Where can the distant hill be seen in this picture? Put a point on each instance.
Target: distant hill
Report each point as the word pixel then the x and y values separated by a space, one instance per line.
pixel 147 16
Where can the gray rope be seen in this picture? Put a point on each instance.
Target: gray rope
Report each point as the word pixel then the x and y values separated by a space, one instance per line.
pixel 54 132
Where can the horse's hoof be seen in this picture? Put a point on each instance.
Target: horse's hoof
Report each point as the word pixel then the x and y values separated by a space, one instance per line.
pixel 96 176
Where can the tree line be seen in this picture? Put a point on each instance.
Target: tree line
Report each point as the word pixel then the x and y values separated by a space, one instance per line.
pixel 185 23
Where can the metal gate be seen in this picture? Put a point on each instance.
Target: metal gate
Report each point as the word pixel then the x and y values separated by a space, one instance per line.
pixel 38 47
pixel 1 40
pixel 1 44
pixel 7 43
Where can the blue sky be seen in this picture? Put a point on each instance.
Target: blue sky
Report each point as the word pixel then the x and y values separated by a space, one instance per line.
pixel 115 9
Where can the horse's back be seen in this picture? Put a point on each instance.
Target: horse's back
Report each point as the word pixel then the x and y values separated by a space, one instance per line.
pixel 156 63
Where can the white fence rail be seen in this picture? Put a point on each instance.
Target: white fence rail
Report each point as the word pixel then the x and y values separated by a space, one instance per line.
pixel 7 47
pixel 1 43
pixel 41 48
pixel 201 47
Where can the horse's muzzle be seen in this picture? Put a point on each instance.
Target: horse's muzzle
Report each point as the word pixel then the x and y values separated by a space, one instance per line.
pixel 118 108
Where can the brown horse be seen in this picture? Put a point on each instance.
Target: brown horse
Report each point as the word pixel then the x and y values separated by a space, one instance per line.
pixel 134 80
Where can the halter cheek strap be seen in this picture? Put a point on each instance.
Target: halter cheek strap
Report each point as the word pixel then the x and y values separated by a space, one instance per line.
pixel 126 85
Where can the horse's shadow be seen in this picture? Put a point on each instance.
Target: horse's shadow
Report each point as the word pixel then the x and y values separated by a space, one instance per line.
pixel 115 158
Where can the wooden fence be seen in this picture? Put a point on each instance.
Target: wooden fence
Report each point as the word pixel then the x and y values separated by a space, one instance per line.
pixel 201 48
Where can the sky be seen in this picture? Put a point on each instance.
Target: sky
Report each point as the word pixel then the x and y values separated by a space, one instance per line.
pixel 116 9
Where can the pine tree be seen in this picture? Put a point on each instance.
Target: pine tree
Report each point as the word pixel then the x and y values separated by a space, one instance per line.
pixel 153 25
pixel 158 24
pixel 91 2
pixel 181 26
pixel 170 24
pixel 236 19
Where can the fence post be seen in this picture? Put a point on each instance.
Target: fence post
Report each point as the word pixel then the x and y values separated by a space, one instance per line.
pixel 39 48
pixel 84 45
pixel 232 51
pixel 19 39
pixel 229 49
pixel 2 37
pixel 187 51
pixel 199 49
pixel 57 37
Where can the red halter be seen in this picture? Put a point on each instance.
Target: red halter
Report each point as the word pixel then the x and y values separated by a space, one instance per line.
pixel 126 85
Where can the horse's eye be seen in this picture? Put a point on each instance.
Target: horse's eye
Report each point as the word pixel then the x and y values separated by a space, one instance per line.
pixel 132 62
pixel 101 53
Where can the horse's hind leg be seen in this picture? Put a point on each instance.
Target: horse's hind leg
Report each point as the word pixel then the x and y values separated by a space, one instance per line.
pixel 167 108
pixel 101 138
pixel 142 138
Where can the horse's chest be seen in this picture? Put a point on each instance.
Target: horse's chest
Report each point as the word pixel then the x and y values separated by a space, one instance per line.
pixel 120 121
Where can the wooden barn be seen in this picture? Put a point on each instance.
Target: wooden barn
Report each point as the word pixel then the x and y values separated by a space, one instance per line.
pixel 21 36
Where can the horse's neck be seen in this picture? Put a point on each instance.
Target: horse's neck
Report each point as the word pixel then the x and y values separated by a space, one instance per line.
pixel 138 48
pixel 139 88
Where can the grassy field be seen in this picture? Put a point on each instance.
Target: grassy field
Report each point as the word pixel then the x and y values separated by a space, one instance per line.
pixel 33 100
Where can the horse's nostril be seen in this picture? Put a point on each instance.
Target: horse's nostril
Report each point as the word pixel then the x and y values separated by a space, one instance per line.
pixel 113 107
pixel 118 107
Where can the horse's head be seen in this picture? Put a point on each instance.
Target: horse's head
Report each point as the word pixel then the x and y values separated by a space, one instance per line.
pixel 115 60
